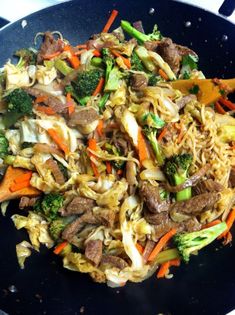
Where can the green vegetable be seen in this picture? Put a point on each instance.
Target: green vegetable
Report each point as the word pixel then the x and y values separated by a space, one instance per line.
pixel 4 144
pixel 103 101
pixel 143 55
pixel 227 133
pixel 195 89
pixel 151 134
pixel 188 243
pixel 57 226
pixel 114 150
pixel 136 63
pixel 112 73
pixel 96 61
pixel 27 56
pixel 176 169
pixel 152 120
pixel 49 205
pixel 141 37
pixel 9 159
pixel 19 105
pixel 63 67
pixel 153 80
pixel 189 63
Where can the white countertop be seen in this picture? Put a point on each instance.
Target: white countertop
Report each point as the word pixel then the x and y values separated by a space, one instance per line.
pixel 25 7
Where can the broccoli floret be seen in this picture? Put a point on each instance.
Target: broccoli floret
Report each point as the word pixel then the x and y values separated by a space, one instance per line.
pixel 49 205
pixel 86 82
pixel 19 105
pixel 27 56
pixel 176 169
pixel 112 73
pixel 4 144
pixel 57 226
pixel 136 63
pixel 153 80
pixel 151 134
pixel 141 37
pixel 188 243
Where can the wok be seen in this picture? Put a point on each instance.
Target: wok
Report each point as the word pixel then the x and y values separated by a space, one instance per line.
pixel 207 284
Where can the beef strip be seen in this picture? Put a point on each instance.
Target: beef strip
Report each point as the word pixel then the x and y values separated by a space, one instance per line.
pixel 55 170
pixel 155 218
pixel 114 261
pixel 46 148
pixel 191 225
pixel 139 26
pixel 73 228
pixel 26 202
pixel 93 251
pixel 138 81
pixel 232 177
pixel 148 249
pixel 49 46
pixel 106 217
pixel 208 185
pixel 83 117
pixel 196 204
pixel 78 205
pixel 191 181
pixel 185 100
pixel 54 102
pixel 163 228
pixel 151 197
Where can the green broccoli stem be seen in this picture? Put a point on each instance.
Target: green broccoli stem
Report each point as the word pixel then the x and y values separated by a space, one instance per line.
pixel 133 32
pixel 63 67
pixel 184 194
pixel 156 148
pixel 103 101
pixel 167 255
pixel 96 61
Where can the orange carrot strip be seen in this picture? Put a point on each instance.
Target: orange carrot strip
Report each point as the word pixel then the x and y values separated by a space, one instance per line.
pixel 18 186
pixel 58 249
pixel 24 177
pixel 142 147
pixel 99 87
pixel 219 108
pixel 93 146
pixel 108 167
pixel 163 270
pixel 229 222
pixel 163 74
pixel 70 103
pixel 162 134
pixel 73 59
pixel 100 128
pixel 79 52
pixel 140 248
pixel 51 56
pixel 181 134
pixel 215 222
pixel 40 99
pixel 175 262
pixel 227 103
pixel 96 53
pixel 124 59
pixel 58 140
pixel 162 242
pixel 110 21
pixel 119 172
pixel 82 46
pixel 45 109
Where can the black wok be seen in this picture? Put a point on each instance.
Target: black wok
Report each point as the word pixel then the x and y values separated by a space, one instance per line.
pixel 207 284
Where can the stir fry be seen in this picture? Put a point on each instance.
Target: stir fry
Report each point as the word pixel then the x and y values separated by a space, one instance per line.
pixel 115 170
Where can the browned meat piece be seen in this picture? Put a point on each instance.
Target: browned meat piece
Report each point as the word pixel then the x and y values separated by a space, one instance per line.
pixel 208 185
pixel 83 117
pixel 93 251
pixel 138 81
pixel 55 170
pixel 51 100
pixel 46 148
pixel 185 100
pixel 196 204
pixel 151 197
pixel 151 45
pixel 191 181
pixel 156 218
pixel 148 249
pixel 139 26
pixel 106 217
pixel 26 202
pixel 114 261
pixel 73 228
pixel 184 50
pixel 163 228
pixel 191 225
pixel 49 46
pixel 232 177
pixel 78 205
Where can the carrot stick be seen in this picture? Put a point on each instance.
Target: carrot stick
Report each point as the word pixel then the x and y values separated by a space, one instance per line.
pixel 215 222
pixel 229 222
pixel 162 134
pixel 51 56
pixel 125 60
pixel 175 262
pixel 99 87
pixel 227 103
pixel 108 167
pixel 181 134
pixel 110 21
pixel 119 172
pixel 70 104
pixel 100 128
pixel 45 109
pixel 139 248
pixel 96 53
pixel 73 59
pixel 163 74
pixel 58 249
pixel 163 270
pixel 18 186
pixel 58 140
pixel 93 146
pixel 219 108
pixel 40 99
pixel 24 177
pixel 142 147
pixel 162 242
